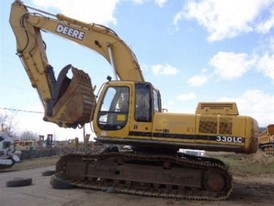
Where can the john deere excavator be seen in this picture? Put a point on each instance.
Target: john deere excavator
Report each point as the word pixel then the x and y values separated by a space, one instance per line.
pixel 128 111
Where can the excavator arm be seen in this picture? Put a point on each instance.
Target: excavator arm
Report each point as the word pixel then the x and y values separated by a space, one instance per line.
pixel 67 102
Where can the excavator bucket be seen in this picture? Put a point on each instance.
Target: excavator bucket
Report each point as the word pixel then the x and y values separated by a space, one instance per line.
pixel 73 100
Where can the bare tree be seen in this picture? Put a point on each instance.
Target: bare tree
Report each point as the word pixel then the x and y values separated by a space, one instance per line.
pixel 7 123
pixel 28 135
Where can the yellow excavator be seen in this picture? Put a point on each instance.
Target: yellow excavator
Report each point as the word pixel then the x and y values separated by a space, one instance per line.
pixel 266 140
pixel 128 111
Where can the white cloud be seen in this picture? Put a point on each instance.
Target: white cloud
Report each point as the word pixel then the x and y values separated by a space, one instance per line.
pixel 229 65
pixel 266 65
pixel 257 104
pixel 197 80
pixel 265 62
pixel 226 19
pixel 187 96
pixel 101 11
pixel 267 25
pixel 95 11
pixel 159 69
pixel 139 1
pixel 160 3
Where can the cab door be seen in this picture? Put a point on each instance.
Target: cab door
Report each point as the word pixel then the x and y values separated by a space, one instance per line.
pixel 112 113
pixel 141 124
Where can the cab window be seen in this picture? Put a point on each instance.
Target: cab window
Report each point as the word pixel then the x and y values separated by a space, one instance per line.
pixel 156 100
pixel 143 102
pixel 114 109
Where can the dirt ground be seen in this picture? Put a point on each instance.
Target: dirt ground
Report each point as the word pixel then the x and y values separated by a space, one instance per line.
pixel 253 177
pixel 247 191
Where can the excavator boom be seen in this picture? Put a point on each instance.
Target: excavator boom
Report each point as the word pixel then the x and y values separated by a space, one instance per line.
pixel 60 96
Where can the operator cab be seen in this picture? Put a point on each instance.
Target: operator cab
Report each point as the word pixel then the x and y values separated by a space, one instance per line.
pixel 127 101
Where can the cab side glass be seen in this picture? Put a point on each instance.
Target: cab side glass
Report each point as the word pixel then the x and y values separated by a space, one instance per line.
pixel 143 102
pixel 113 113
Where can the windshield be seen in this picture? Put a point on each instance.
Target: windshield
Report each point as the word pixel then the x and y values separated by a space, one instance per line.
pixel 114 109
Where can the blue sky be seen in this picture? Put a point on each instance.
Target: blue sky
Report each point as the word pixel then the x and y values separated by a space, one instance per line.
pixel 192 51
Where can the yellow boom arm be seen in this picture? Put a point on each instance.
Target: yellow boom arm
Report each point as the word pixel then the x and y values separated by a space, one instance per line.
pixel 31 49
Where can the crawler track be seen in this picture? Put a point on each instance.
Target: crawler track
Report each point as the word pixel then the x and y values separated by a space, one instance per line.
pixel 165 176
